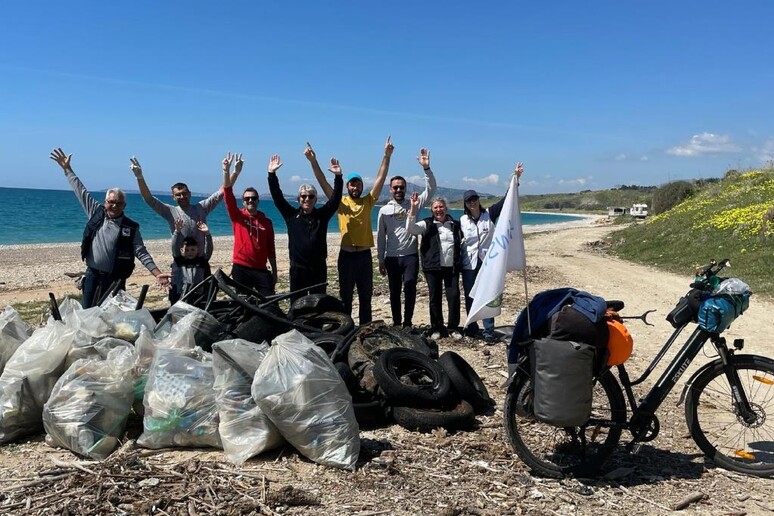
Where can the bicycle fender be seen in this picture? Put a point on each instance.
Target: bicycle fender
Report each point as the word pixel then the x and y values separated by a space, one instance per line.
pixel 709 365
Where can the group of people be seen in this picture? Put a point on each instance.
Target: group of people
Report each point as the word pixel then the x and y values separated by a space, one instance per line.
pixel 449 248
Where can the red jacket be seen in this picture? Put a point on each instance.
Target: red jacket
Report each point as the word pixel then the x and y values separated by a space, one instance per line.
pixel 253 235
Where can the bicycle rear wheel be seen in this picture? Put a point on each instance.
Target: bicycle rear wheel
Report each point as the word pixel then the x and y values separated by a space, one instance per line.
pixel 722 434
pixel 555 452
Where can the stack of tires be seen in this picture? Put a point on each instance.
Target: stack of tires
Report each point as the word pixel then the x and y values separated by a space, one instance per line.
pixel 396 374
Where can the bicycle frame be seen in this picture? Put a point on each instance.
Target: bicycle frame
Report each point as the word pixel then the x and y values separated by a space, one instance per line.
pixel 643 413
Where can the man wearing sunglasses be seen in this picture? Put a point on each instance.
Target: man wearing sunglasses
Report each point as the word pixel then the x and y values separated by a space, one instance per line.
pixel 253 234
pixel 307 228
pixel 355 264
pixel 111 240
pixel 396 248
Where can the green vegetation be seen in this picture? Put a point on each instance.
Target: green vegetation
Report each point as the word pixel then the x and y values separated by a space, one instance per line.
pixel 588 200
pixel 729 218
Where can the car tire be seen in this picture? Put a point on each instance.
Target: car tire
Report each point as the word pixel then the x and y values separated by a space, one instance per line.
pixel 329 322
pixel 410 378
pixel 461 417
pixel 466 381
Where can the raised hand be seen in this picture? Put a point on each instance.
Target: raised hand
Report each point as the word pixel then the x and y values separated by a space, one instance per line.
pixel 238 163
pixel 135 167
pixel 424 158
pixel 414 203
pixel 274 163
pixel 179 224
pixel 519 170
pixel 309 153
pixel 335 167
pixel 62 159
pixel 202 226
pixel 227 161
pixel 388 147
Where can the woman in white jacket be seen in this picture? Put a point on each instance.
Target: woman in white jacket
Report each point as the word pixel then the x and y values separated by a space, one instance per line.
pixel 478 225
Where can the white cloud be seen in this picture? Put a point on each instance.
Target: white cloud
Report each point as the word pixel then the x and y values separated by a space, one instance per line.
pixel 703 144
pixel 491 179
pixel 417 180
pixel 766 153
pixel 644 158
pixel 621 157
pixel 578 181
pixel 295 178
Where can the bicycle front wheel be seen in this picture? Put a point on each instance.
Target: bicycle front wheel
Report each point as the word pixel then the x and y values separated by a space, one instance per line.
pixel 717 427
pixel 555 452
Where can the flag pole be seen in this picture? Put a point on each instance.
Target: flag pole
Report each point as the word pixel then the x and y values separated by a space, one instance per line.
pixel 526 297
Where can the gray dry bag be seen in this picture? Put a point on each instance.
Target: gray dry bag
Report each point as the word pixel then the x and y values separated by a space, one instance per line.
pixel 563 379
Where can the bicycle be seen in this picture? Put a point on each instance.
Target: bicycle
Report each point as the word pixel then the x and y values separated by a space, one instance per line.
pixel 727 404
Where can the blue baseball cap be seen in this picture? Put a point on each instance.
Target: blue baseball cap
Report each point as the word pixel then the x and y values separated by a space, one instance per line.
pixel 352 176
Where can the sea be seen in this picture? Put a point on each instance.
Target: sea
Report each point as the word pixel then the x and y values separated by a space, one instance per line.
pixel 36 216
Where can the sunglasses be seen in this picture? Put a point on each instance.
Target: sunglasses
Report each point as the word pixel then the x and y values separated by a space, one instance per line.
pixel 472 199
pixel 250 198
pixel 398 188
pixel 114 203
pixel 307 196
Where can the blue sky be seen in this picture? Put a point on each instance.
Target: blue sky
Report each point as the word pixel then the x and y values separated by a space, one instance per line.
pixel 587 94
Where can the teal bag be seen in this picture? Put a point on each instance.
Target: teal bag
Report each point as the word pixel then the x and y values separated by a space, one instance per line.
pixel 716 313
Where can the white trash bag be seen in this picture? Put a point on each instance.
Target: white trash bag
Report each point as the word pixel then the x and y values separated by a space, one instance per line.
pixel 298 387
pixel 244 429
pixel 13 331
pixel 28 379
pixel 179 401
pixel 89 405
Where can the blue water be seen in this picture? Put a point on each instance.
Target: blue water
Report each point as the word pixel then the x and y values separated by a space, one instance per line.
pixel 30 216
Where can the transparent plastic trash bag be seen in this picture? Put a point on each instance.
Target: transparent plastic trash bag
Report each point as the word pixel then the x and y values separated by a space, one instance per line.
pixel 89 405
pixel 179 401
pixel 244 429
pixel 206 328
pixel 29 377
pixel 13 331
pixel 733 286
pixel 301 391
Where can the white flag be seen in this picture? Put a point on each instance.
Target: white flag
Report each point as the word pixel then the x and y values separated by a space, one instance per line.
pixel 505 253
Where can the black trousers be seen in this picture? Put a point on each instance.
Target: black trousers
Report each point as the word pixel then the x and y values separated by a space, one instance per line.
pixel 356 270
pixel 446 280
pixel 402 274
pixel 302 277
pixel 258 279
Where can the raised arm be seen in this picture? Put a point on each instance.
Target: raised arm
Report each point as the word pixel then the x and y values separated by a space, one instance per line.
pixel 228 187
pixel 282 204
pixel 318 173
pixel 497 208
pixel 88 203
pixel 147 196
pixel 208 247
pixel 412 226
pixel 177 239
pixel 430 184
pixel 330 207
pixel 381 175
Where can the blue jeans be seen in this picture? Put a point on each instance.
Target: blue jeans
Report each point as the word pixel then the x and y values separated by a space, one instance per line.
pixel 95 285
pixel 468 279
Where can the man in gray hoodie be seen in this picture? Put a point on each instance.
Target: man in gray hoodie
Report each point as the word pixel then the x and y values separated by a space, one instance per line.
pixel 396 249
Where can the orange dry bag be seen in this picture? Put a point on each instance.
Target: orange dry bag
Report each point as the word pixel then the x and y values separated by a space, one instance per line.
pixel 620 342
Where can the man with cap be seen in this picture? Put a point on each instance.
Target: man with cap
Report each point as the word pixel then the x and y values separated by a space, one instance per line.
pixel 478 226
pixel 396 248
pixel 253 234
pixel 307 228
pixel 355 263
pixel 111 240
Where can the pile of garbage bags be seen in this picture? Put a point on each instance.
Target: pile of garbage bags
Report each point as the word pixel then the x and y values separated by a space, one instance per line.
pixel 82 377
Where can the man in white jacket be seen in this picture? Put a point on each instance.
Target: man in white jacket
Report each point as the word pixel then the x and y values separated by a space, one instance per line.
pixel 396 248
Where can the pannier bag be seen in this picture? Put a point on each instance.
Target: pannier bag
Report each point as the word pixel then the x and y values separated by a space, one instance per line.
pixel 563 379
pixel 716 313
pixel 619 343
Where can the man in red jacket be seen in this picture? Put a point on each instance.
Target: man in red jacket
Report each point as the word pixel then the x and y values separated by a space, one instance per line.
pixel 253 234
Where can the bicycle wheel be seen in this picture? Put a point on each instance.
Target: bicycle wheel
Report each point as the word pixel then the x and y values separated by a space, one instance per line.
pixel 747 447
pixel 555 452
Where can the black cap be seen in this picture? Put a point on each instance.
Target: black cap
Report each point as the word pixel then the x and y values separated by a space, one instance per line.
pixel 468 195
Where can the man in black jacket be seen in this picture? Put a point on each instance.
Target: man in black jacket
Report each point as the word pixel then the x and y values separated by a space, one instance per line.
pixel 111 240
pixel 307 228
